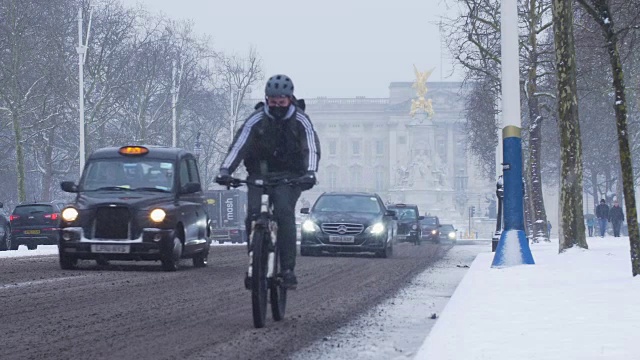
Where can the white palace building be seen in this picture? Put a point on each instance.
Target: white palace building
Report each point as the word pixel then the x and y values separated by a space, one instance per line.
pixel 376 145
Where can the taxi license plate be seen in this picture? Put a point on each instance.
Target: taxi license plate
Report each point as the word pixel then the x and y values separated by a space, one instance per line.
pixel 32 232
pixel 341 239
pixel 402 237
pixel 110 249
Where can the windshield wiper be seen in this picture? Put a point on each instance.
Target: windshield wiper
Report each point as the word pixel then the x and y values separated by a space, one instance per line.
pixel 112 188
pixel 151 189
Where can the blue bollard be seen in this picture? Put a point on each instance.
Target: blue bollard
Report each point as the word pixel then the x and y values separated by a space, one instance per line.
pixel 513 247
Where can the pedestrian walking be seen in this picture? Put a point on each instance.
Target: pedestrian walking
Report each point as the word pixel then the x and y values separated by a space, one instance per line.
pixel 616 216
pixel 591 222
pixel 602 213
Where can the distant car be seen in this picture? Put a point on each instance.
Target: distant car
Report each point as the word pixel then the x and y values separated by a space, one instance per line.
pixel 348 222
pixel 34 224
pixel 5 231
pixel 447 233
pixel 430 228
pixel 136 203
pixel 408 219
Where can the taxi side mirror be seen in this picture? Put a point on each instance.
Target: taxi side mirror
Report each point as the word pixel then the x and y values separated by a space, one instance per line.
pixel 69 186
pixel 420 217
pixel 190 188
pixel 389 213
pixel 304 210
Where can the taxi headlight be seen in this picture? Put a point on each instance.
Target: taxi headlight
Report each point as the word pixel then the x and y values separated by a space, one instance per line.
pixel 376 229
pixel 157 215
pixel 309 226
pixel 69 214
pixel 414 227
pixel 434 232
pixel 452 235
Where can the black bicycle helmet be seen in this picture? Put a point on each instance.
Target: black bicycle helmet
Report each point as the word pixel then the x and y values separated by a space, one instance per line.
pixel 279 85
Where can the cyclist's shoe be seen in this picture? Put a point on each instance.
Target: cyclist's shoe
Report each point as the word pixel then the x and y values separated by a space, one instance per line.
pixel 289 280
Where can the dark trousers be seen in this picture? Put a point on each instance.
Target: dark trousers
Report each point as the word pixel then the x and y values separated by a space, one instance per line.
pixel 602 224
pixel 590 227
pixel 616 228
pixel 284 199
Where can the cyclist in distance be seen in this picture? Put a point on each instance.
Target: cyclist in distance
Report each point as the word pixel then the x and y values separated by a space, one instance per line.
pixel 276 141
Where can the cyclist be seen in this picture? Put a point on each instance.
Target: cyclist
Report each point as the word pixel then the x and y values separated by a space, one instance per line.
pixel 276 141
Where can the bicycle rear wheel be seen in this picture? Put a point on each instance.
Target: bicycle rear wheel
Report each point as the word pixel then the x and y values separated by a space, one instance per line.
pixel 277 292
pixel 259 279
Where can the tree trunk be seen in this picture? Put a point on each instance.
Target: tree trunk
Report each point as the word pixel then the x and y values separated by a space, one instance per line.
pixel 529 217
pixel 573 229
pixel 47 177
pixel 539 214
pixel 17 129
pixel 620 106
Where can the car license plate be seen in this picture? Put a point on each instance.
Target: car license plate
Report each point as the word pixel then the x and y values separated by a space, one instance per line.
pixel 110 249
pixel 341 239
pixel 32 232
pixel 402 237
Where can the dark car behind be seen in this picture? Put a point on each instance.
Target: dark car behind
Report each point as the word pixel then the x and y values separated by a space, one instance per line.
pixel 348 222
pixel 447 233
pixel 35 224
pixel 430 228
pixel 408 220
pixel 5 231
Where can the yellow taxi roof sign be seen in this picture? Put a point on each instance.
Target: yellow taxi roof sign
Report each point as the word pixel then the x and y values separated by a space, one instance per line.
pixel 133 150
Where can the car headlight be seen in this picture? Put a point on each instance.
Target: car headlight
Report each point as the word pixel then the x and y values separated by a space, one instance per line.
pixel 434 232
pixel 376 229
pixel 452 235
pixel 157 215
pixel 69 214
pixel 309 226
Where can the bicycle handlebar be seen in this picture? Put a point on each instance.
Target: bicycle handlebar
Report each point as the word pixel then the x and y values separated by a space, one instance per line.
pixel 235 182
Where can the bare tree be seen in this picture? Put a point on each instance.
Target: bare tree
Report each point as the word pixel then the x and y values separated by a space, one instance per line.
pixel 238 76
pixel 572 226
pixel 601 13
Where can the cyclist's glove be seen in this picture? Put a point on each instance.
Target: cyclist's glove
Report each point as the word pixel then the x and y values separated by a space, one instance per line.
pixel 223 178
pixel 308 180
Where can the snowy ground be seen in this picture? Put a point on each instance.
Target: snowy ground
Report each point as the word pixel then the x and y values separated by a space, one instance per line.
pixel 397 328
pixel 582 304
pixel 23 251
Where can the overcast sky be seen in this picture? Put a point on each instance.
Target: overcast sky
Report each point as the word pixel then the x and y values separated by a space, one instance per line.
pixel 333 48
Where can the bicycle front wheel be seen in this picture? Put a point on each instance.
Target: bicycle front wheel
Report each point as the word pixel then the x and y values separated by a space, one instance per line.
pixel 277 292
pixel 259 279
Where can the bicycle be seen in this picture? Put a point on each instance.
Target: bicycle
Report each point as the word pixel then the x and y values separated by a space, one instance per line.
pixel 263 274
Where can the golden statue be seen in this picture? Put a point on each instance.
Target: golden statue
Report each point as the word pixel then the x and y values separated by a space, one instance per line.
pixel 421 90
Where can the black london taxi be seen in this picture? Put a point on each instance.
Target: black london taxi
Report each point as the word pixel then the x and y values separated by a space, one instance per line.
pixel 136 203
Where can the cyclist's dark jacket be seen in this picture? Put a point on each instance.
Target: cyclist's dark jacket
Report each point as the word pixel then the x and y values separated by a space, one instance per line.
pixel 289 145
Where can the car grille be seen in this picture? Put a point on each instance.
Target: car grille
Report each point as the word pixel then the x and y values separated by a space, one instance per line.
pixel 404 229
pixel 342 228
pixel 112 223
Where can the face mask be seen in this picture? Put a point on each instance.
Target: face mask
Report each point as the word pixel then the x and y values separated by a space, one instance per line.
pixel 278 112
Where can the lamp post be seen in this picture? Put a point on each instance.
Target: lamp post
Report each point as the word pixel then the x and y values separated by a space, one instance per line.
pixel 81 49
pixel 513 247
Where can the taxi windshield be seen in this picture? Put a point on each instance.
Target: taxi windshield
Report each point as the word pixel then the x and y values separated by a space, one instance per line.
pixel 128 174
pixel 405 213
